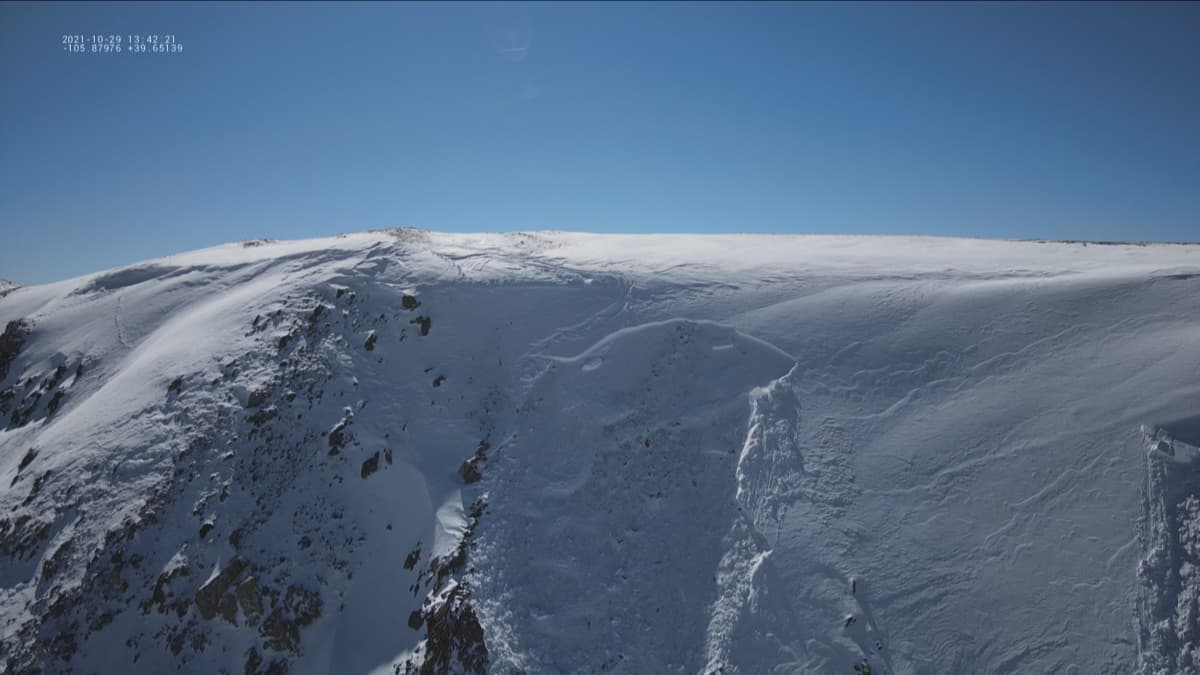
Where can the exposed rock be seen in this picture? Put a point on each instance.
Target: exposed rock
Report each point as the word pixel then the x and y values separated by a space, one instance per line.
pixel 176 385
pixel 208 598
pixel 469 471
pixel 112 582
pixel 21 417
pixel 370 343
pixel 300 608
pixel 101 621
pixel 253 661
pixel 370 466
pixel 410 302
pixel 228 608
pixel 54 563
pixel 37 487
pixel 338 436
pixel 22 536
pixel 62 646
pixel 161 585
pixel 29 457
pixel 280 633
pixel 249 600
pixel 424 322
pixel 55 402
pixel 26 410
pixel 11 342
pixel 315 317
pixel 454 640
pixel 263 416
pixel 257 398
pixel 304 605
pixel 437 381
pixel 454 636
pixel 442 567
pixel 413 557
pixel 416 620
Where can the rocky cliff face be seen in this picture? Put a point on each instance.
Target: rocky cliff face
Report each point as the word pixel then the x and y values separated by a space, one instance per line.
pixel 263 486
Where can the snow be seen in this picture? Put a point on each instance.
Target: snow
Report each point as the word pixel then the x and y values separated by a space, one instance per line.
pixel 689 447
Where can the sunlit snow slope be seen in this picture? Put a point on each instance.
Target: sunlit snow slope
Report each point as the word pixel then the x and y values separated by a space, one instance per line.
pixel 417 452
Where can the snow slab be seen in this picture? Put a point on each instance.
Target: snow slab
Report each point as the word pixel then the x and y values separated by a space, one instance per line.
pixel 625 453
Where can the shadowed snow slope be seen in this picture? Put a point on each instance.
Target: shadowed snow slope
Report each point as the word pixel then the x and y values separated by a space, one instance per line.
pixel 550 452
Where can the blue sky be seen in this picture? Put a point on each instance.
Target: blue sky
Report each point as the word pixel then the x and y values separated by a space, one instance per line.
pixel 282 120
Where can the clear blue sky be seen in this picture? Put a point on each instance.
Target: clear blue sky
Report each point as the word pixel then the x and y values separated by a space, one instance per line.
pixel 281 120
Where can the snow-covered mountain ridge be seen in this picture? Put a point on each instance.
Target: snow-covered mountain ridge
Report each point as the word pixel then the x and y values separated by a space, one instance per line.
pixel 554 452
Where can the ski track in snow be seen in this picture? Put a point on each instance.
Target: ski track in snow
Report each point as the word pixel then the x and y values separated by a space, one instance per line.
pixel 697 455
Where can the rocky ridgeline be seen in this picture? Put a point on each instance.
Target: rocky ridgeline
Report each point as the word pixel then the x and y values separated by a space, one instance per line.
pixel 32 396
pixel 254 566
pixel 453 635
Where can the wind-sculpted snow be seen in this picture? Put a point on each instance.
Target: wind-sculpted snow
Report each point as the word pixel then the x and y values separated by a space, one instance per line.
pixel 622 459
pixel 409 451
pixel 1169 572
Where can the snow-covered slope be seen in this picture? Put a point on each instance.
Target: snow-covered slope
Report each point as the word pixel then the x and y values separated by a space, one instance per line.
pixel 552 452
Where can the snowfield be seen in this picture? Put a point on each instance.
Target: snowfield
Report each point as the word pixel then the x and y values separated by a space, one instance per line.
pixel 408 451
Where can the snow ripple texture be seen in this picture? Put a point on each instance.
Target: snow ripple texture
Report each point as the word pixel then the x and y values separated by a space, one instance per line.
pixel 568 453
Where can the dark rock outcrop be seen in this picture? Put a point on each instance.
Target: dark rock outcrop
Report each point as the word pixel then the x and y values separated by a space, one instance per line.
pixel 469 471
pixel 249 599
pixel 11 342
pixel 208 598
pixel 257 398
pixel 370 466
pixel 300 608
pixel 455 638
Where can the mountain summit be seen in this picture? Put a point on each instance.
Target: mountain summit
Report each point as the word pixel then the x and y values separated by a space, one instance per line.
pixel 408 451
